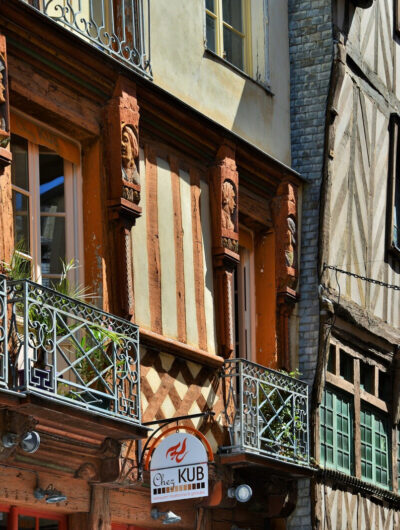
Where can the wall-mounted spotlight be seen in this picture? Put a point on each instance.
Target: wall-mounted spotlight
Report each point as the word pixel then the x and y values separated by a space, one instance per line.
pixel 169 517
pixel 52 495
pixel 242 493
pixel 9 439
pixel 29 442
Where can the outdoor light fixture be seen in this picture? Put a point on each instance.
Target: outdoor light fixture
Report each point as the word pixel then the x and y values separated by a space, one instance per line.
pixel 242 493
pixel 9 439
pixel 169 517
pixel 52 495
pixel 29 442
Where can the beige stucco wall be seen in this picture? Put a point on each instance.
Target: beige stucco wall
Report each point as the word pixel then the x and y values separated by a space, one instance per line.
pixel 182 67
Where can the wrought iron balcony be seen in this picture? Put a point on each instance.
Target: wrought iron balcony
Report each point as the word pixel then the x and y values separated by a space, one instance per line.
pixel 117 27
pixel 267 412
pixel 65 350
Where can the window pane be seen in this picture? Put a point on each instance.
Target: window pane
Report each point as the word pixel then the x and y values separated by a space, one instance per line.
pixel 25 522
pixel 233 48
pixel 232 13
pixel 52 241
pixel 19 166
pixel 210 5
pixel 3 521
pixel 366 377
pixel 21 221
pixel 51 181
pixel 331 359
pixel 48 524
pixel 210 33
pixel 346 366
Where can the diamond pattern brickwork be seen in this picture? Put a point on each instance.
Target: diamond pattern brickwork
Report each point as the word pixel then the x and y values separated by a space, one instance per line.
pixel 171 386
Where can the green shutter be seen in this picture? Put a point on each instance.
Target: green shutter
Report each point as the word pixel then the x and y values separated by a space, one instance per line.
pixel 336 432
pixel 374 449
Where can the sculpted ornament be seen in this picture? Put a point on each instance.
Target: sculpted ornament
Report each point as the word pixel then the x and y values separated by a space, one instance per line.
pixel 290 243
pixel 228 205
pixel 129 154
pixel 2 87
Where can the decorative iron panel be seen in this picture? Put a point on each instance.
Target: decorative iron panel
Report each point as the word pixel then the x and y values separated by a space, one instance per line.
pixel 114 26
pixel 72 352
pixel 267 412
pixel 3 332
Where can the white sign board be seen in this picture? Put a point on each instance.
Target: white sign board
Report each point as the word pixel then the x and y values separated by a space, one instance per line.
pixel 179 469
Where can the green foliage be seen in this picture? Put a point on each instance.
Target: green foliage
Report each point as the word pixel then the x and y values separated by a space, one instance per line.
pixel 19 267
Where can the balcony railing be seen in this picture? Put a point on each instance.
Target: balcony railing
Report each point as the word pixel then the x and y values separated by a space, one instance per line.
pixel 267 412
pixel 117 27
pixel 65 350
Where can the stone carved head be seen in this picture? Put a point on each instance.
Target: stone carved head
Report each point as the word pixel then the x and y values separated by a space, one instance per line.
pixel 291 243
pixel 129 153
pixel 228 205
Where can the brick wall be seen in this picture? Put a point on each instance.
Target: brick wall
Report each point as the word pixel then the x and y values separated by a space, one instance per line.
pixel 311 50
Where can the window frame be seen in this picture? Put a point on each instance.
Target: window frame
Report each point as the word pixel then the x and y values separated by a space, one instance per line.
pixel 73 208
pixel 15 511
pixel 243 298
pixel 246 34
pixel 362 401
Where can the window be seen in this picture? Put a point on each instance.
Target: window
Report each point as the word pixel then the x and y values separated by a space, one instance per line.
pixel 227 33
pixel 336 432
pixel 374 448
pixel 45 207
pixel 14 518
pixel 357 386
pixel 393 209
pixel 244 322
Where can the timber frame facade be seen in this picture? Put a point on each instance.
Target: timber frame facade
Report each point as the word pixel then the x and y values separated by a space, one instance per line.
pixel 354 368
pixel 160 205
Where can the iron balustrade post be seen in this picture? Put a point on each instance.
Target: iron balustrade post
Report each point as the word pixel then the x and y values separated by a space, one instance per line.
pixel 26 336
pixel 4 334
pixel 241 389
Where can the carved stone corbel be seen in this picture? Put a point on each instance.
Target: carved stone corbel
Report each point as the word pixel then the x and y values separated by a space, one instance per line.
pixel 5 154
pixel 284 209
pixel 121 155
pixel 224 208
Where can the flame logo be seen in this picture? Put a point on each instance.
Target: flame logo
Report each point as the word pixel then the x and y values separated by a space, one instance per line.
pixel 177 452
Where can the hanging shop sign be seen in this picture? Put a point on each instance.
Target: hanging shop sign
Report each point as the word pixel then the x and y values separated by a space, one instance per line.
pixel 179 468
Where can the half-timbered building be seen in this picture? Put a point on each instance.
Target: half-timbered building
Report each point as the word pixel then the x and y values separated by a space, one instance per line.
pixel 149 222
pixel 349 151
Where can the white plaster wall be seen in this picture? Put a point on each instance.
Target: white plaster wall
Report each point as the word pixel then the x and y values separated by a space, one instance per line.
pixel 182 67
pixel 140 261
pixel 167 249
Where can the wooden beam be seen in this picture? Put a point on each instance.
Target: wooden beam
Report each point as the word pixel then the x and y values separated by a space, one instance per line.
pixel 100 513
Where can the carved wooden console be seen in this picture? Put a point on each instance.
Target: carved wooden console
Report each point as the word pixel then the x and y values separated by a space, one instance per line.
pixel 285 217
pixel 121 154
pixel 224 205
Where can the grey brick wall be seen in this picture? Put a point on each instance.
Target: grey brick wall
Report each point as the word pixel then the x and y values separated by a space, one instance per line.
pixel 311 53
